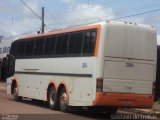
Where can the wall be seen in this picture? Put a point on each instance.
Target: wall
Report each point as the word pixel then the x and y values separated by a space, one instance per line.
pixel 4 48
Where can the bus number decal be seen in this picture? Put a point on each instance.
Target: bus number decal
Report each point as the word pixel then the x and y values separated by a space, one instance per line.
pixel 84 65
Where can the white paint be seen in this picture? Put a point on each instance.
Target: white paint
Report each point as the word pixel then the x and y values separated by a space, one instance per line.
pixel 129 43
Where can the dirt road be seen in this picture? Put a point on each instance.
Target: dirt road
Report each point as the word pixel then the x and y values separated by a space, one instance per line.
pixel 28 109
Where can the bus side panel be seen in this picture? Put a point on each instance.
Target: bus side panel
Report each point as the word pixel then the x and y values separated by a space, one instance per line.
pixel 35 86
pixel 79 78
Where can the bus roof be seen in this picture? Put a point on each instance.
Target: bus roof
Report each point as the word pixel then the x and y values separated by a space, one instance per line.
pixel 59 31
pixel 84 27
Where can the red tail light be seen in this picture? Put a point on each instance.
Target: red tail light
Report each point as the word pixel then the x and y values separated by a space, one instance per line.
pixel 154 87
pixel 99 85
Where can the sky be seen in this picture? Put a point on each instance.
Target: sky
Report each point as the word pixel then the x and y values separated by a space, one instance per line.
pixel 16 19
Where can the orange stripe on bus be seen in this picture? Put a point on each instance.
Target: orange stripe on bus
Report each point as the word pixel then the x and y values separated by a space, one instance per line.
pixel 61 31
pixel 123 100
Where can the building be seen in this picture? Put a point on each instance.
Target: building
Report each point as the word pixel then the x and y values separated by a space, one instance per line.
pixel 4 50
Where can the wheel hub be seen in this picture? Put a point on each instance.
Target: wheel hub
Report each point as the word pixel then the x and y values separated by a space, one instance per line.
pixel 63 98
pixel 52 98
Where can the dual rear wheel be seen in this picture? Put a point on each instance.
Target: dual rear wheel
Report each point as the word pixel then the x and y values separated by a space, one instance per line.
pixel 58 100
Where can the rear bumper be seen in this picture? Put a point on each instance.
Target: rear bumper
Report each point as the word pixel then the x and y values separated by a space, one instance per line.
pixel 123 100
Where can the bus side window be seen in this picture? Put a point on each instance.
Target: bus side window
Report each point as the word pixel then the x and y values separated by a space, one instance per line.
pixel 50 43
pixel 89 43
pixel 65 44
pixel 79 40
pixel 29 48
pixel 38 46
pixel 75 44
pixel 86 44
pixel 61 46
pixel 13 50
pixel 72 43
pixel 20 48
pixel 93 42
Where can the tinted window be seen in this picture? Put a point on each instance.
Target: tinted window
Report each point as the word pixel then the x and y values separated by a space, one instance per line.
pixel 13 50
pixel 75 43
pixel 50 43
pixel 93 42
pixel 81 43
pixel 61 46
pixel 20 48
pixel 65 43
pixel 38 46
pixel 29 47
pixel 89 42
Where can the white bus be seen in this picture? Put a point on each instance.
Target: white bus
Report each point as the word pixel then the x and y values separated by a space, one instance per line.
pixel 102 65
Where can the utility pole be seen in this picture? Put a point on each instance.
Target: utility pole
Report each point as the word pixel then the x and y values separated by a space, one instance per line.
pixel 43 25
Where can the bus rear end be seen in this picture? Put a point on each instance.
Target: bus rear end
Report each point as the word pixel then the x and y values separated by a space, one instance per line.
pixel 129 68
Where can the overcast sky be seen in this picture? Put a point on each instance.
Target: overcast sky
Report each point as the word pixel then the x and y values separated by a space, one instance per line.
pixel 16 18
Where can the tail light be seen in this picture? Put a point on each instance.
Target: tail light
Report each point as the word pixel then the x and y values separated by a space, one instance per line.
pixel 99 85
pixel 154 87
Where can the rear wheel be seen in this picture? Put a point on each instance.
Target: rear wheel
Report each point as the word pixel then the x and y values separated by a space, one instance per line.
pixel 15 95
pixel 52 98
pixel 63 101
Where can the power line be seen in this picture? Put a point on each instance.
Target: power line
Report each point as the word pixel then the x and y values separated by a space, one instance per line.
pixel 133 15
pixel 41 18
pixel 31 10
pixel 137 14
pixel 90 5
pixel 53 18
pixel 25 33
pixel 140 7
pixel 104 17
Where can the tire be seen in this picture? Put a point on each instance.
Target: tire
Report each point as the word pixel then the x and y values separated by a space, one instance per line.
pixel 63 103
pixel 52 99
pixel 15 96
